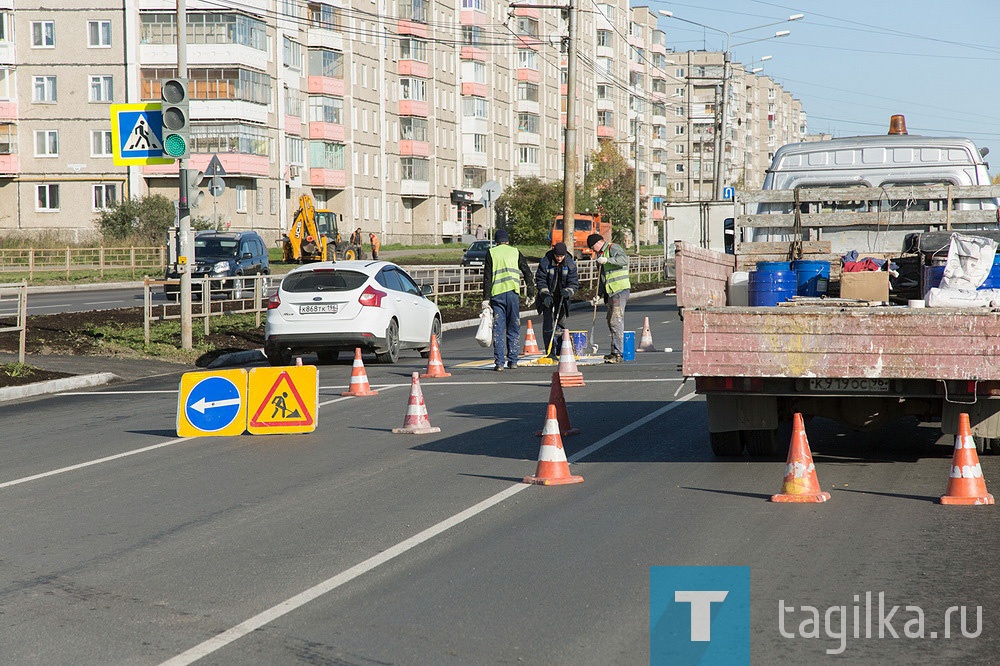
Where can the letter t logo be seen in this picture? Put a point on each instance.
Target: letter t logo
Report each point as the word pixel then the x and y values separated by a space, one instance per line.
pixel 701 610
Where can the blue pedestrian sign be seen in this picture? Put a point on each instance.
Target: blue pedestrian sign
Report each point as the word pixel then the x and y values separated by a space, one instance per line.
pixel 728 193
pixel 212 403
pixel 137 134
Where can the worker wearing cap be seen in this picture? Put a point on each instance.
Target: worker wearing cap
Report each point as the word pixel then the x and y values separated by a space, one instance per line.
pixel 614 287
pixel 556 280
pixel 501 290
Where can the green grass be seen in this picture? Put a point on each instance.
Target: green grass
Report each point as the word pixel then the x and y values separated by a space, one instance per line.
pixel 16 370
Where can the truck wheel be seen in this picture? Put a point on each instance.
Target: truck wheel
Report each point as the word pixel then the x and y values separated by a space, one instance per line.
pixel 760 443
pixel 986 445
pixel 350 254
pixel 726 444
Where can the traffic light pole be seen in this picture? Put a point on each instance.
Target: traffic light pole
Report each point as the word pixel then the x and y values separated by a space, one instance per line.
pixel 185 258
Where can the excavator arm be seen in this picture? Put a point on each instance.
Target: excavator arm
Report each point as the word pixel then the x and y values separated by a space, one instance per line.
pixel 303 241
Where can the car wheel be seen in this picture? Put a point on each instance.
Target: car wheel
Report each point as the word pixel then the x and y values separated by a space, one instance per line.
pixel 327 356
pixel 391 353
pixel 435 330
pixel 279 356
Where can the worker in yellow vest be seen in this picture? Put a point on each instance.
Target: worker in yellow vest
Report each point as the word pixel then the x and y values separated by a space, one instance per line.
pixel 614 287
pixel 501 290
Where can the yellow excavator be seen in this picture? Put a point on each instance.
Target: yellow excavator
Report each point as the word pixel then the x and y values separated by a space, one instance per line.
pixel 314 236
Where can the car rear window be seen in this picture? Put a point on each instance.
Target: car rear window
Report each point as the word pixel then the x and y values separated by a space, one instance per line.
pixel 323 281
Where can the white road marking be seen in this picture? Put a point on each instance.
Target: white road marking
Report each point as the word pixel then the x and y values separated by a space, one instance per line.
pixel 106 302
pixel 301 599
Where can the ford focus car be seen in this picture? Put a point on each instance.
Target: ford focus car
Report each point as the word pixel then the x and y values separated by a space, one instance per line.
pixel 330 307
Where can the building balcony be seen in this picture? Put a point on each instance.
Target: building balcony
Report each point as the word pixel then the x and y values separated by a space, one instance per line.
pixel 472 158
pixel 605 132
pixel 606 52
pixel 527 106
pixel 235 164
pixel 473 17
pixel 327 132
pixel 528 138
pixel 530 75
pixel 7 53
pixel 411 148
pixel 657 214
pixel 420 189
pixel 325 85
pixel 9 164
pixel 605 104
pixel 407 27
pixel 525 170
pixel 475 89
pixel 293 125
pixel 410 107
pixel 200 55
pixel 414 68
pixel 320 38
pixel 229 108
pixel 473 53
pixel 8 111
pixel 475 126
pixel 659 120
pixel 528 12
pixel 331 179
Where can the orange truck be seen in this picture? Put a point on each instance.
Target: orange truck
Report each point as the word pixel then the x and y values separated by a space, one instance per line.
pixel 586 224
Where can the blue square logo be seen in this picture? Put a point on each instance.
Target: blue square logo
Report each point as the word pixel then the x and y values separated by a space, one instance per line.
pixel 699 615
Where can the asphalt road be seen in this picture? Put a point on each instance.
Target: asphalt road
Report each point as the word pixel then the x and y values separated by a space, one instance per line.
pixel 351 545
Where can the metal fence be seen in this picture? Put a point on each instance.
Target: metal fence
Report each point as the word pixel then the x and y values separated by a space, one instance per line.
pixel 136 260
pixel 18 290
pixel 211 301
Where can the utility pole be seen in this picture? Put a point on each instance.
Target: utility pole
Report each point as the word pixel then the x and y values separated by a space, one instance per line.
pixel 722 126
pixel 186 258
pixel 635 222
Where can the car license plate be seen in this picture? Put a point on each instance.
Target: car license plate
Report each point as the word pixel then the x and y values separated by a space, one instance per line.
pixel 322 308
pixel 850 385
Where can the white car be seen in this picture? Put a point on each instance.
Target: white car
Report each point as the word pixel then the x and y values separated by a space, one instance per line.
pixel 330 307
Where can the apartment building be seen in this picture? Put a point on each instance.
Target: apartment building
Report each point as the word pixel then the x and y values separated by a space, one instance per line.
pixel 393 115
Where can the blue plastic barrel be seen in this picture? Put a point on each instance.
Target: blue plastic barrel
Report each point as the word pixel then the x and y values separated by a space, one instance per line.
pixel 628 346
pixel 993 279
pixel 771 287
pixel 813 277
pixel 932 276
pixel 774 266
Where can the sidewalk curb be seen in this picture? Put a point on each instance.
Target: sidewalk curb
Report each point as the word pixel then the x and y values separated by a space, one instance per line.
pixel 56 386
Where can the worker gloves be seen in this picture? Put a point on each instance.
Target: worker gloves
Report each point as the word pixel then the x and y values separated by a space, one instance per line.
pixel 547 301
pixel 602 260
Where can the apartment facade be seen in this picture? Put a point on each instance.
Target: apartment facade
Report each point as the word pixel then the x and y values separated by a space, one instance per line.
pixel 393 114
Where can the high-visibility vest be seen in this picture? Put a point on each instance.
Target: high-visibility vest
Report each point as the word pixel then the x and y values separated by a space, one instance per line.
pixel 506 274
pixel 615 279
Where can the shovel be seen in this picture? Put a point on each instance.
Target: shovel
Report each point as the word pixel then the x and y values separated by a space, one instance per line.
pixel 548 360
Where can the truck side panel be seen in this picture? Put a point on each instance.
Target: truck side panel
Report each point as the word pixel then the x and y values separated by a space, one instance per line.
pixel 701 275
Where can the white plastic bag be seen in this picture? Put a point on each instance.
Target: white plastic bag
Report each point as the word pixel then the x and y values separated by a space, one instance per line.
pixel 970 259
pixel 484 335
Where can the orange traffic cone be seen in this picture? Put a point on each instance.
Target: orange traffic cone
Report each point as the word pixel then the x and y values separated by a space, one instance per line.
pixel 416 422
pixel 553 469
pixel 557 398
pixel 965 480
pixel 435 368
pixel 646 343
pixel 801 483
pixel 568 374
pixel 359 378
pixel 530 343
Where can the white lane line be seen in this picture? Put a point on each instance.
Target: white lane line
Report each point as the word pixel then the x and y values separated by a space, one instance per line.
pixel 106 302
pixel 301 599
pixel 91 463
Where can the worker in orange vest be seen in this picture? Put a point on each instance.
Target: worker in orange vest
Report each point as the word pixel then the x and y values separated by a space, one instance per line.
pixel 376 244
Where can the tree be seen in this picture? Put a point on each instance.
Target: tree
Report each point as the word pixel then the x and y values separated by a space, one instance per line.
pixel 142 220
pixel 609 189
pixel 529 207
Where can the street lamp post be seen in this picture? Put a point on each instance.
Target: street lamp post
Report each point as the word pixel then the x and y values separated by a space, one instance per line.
pixel 722 107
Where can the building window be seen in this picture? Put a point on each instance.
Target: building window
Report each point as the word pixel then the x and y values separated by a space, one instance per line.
pixel 527 155
pixel 294 150
pixel 323 62
pixel 678 186
pixel 293 103
pixel 5 26
pixel 605 118
pixel 527 92
pixel 679 130
pixel 44 89
pixel 411 48
pixel 679 149
pixel 292 53
pixel 412 128
pixel 527 26
pixel 204 28
pixel 475 107
pixel 478 71
pixel 413 89
pixel 472 35
pixel 605 38
pixel 413 10
pixel 527 59
pixel 479 5
pixel 102 89
pixel 603 91
pixel 47 143
pixel 8 139
pixel 608 11
pixel 241 198
pixel 679 167
pixel 678 110
pixel 473 177
pixel 47 197
pixel 99 34
pixel 326 110
pixel 105 196
pixel 679 72
pixel 479 143
pixel 415 168
pixel 100 143
pixel 230 138
pixel 326 155
pixel 527 122
pixel 231 83
pixel 324 16
pixel 43 34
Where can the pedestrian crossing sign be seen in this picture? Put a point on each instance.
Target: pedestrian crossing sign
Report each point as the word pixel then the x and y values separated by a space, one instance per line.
pixel 283 399
pixel 137 134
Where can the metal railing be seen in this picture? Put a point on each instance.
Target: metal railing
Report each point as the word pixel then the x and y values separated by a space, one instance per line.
pixel 74 259
pixel 233 298
pixel 20 291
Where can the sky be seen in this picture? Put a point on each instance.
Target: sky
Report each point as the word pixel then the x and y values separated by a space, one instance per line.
pixel 854 63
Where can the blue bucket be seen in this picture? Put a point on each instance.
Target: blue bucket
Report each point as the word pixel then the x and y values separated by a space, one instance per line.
pixel 812 277
pixel 774 266
pixel 933 275
pixel 628 346
pixel 771 287
pixel 579 339
pixel 993 279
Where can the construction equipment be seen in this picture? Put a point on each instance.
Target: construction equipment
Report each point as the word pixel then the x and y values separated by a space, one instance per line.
pixel 585 224
pixel 312 235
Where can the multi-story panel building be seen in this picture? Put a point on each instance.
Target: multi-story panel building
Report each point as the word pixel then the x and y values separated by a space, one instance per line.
pixel 393 115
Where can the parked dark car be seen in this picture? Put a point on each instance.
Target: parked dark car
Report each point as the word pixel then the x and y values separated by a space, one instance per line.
pixel 226 256
pixel 476 254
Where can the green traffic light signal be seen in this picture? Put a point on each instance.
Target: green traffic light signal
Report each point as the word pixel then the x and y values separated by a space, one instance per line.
pixel 175 117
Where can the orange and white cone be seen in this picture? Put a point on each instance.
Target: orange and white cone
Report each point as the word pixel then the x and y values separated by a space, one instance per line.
pixel 553 469
pixel 416 422
pixel 646 343
pixel 557 398
pixel 359 378
pixel 801 483
pixel 568 374
pixel 965 479
pixel 435 368
pixel 298 361
pixel 530 343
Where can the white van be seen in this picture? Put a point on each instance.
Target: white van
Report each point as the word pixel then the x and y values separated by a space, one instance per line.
pixel 893 160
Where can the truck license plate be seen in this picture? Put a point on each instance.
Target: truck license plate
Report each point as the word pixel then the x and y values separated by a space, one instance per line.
pixel 324 308
pixel 849 385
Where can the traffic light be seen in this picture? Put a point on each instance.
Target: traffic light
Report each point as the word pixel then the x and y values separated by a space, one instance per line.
pixel 176 118
pixel 194 193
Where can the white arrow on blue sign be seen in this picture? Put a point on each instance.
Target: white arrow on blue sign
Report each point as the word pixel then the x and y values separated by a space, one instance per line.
pixel 212 404
pixel 728 193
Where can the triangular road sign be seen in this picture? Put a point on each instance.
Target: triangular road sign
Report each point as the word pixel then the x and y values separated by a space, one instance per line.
pixel 214 167
pixel 142 137
pixel 282 406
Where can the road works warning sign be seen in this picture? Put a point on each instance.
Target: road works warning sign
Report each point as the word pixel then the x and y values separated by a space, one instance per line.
pixel 283 400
